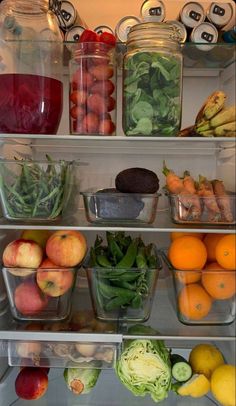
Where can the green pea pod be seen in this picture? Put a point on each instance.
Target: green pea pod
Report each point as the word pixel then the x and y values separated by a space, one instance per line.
pixel 124 284
pixel 103 261
pixel 141 258
pixel 114 248
pixel 129 259
pixel 109 291
pixel 137 302
pixel 116 302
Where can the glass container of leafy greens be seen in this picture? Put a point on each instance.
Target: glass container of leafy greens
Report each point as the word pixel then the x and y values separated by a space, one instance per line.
pixel 37 190
pixel 152 81
pixel 122 277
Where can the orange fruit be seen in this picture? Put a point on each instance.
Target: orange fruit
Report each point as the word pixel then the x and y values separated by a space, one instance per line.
pixel 225 252
pixel 186 277
pixel 177 234
pixel 210 241
pixel 187 253
pixel 219 283
pixel 194 302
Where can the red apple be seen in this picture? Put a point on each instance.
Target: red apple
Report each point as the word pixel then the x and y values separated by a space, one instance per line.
pixel 31 383
pixel 29 299
pixel 22 254
pixel 66 248
pixel 53 281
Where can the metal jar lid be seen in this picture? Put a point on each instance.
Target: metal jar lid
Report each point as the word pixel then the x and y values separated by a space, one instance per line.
pixel 103 28
pixel 204 33
pixel 123 27
pixel 192 14
pixel 180 27
pixel 153 10
pixel 220 14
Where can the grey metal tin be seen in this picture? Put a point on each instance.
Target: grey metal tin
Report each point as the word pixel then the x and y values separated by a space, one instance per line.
pixel 192 14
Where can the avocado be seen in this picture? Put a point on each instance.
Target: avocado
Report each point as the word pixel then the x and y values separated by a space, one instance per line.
pixel 137 180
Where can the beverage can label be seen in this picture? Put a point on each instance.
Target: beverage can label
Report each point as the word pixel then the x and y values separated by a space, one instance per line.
pixel 123 27
pixel 153 10
pixel 192 14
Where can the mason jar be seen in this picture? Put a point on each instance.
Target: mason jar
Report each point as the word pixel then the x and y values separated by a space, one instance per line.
pixel 152 81
pixel 31 50
pixel 92 96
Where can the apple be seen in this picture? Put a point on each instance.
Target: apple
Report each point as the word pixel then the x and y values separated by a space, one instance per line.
pixel 53 281
pixel 29 299
pixel 66 248
pixel 22 254
pixel 39 236
pixel 31 383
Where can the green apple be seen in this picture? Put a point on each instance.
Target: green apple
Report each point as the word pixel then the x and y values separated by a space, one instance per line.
pixel 39 236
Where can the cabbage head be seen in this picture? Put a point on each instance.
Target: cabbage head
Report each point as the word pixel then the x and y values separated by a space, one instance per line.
pixel 81 380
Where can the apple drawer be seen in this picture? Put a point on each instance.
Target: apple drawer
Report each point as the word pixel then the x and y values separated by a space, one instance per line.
pixel 40 295
pixel 63 354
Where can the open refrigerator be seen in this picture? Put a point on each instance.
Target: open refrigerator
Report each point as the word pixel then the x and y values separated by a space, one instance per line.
pixel 103 157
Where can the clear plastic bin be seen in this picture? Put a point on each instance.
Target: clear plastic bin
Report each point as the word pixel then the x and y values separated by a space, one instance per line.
pixel 103 206
pixel 43 294
pixel 37 190
pixel 204 297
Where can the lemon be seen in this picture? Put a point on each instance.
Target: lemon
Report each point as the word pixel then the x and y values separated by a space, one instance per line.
pixel 196 386
pixel 223 381
pixel 204 358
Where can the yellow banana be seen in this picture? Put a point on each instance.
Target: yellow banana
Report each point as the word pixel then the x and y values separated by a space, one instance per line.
pixel 207 133
pixel 225 129
pixel 213 104
pixel 204 126
pixel 226 115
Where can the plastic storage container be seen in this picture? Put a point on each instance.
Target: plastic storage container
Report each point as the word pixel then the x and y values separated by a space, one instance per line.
pixel 104 206
pixel 182 209
pixel 43 294
pixel 93 89
pixel 204 297
pixel 37 190
pixel 152 81
pixel 111 302
pixel 31 90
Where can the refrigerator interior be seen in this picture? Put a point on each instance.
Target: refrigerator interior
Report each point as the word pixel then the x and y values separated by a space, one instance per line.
pixel 102 159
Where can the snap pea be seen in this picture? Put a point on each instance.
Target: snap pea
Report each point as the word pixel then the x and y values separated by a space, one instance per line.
pixel 141 258
pixel 116 303
pixel 104 261
pixel 128 259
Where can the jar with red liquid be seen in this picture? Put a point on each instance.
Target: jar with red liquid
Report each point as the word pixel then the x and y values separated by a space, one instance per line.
pixel 31 50
pixel 93 89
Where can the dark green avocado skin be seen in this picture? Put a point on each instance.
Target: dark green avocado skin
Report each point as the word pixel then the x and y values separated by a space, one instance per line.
pixel 137 180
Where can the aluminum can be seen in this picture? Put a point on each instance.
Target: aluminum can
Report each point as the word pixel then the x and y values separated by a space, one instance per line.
pixel 153 10
pixel 101 28
pixel 180 28
pixel 123 27
pixel 192 14
pixel 66 15
pixel 230 36
pixel 205 33
pixel 73 35
pixel 220 14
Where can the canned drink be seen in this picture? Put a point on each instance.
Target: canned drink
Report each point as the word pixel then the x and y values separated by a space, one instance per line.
pixel 66 14
pixel 153 10
pixel 103 28
pixel 230 36
pixel 192 14
pixel 220 14
pixel 204 33
pixel 73 35
pixel 123 27
pixel 180 27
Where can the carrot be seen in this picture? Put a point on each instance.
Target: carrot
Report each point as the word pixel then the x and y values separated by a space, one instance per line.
pixel 189 184
pixel 189 187
pixel 223 200
pixel 205 190
pixel 173 182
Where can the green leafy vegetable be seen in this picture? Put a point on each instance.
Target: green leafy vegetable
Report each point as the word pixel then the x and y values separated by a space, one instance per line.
pixel 144 367
pixel 82 380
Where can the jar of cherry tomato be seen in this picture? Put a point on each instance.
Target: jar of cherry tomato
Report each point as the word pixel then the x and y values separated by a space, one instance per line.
pixel 92 95
pixel 152 81
pixel 31 50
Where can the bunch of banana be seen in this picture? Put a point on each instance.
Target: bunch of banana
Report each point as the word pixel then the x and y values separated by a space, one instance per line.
pixel 215 119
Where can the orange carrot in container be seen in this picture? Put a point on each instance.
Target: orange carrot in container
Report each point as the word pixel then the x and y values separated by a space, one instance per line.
pixel 205 190
pixel 173 182
pixel 189 187
pixel 223 200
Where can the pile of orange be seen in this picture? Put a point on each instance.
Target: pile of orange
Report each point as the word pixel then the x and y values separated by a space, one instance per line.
pixel 204 268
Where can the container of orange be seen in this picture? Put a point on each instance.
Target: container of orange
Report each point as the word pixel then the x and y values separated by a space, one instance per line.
pixel 204 289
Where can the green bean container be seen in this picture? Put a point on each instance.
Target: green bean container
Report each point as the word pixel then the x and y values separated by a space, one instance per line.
pixel 38 190
pixel 111 302
pixel 152 81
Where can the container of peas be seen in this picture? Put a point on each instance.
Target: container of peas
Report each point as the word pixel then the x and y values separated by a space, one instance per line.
pixel 122 276
pixel 37 190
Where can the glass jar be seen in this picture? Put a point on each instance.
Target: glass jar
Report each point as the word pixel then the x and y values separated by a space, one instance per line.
pixel 152 81
pixel 31 50
pixel 93 89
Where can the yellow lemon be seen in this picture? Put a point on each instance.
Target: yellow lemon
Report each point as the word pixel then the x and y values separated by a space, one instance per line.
pixel 196 386
pixel 223 381
pixel 204 358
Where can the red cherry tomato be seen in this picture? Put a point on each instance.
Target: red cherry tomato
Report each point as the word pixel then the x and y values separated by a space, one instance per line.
pixel 106 127
pixel 108 38
pixel 91 123
pixel 89 36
